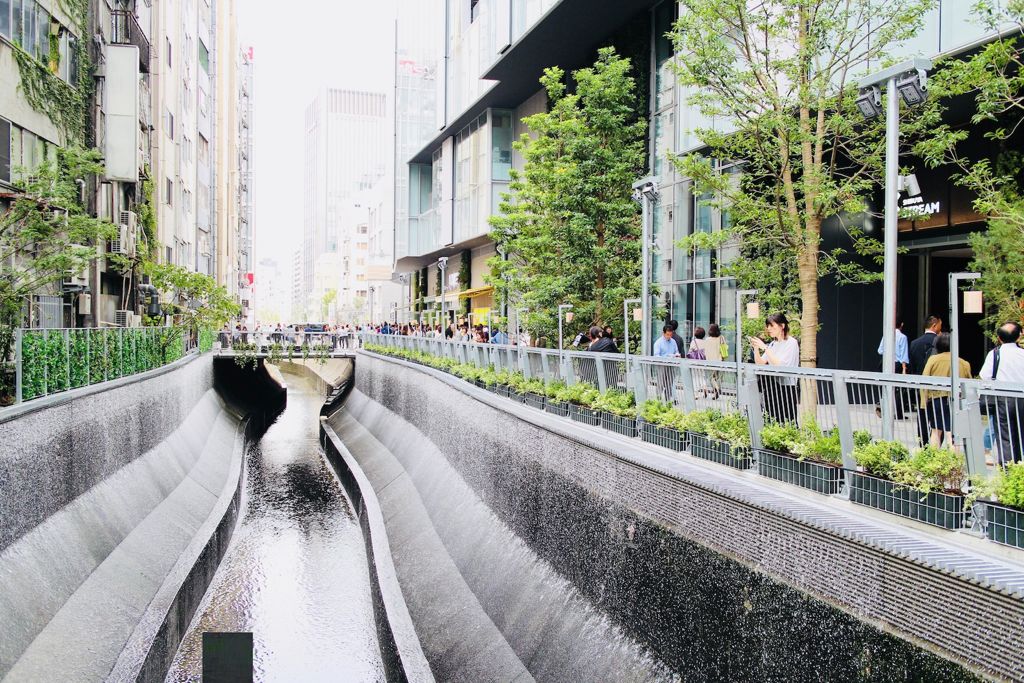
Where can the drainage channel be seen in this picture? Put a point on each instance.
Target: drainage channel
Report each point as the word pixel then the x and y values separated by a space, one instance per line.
pixel 296 573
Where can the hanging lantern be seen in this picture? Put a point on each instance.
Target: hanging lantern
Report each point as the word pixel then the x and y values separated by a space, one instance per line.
pixel 753 309
pixel 638 314
pixel 973 301
pixel 569 316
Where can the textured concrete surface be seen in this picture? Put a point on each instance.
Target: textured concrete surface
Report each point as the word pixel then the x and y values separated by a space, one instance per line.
pixel 721 575
pixel 140 494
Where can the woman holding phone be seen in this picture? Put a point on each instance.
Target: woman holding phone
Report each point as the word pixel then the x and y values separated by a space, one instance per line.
pixel 781 393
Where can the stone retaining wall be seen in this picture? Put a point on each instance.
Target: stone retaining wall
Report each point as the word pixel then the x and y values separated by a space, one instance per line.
pixel 722 575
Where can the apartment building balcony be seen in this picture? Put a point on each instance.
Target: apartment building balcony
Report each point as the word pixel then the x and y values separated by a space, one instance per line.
pixel 125 30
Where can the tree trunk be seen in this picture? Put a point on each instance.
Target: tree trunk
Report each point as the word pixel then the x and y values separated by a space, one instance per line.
pixel 807 264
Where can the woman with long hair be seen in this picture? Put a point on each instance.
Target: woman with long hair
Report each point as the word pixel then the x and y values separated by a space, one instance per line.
pixel 781 393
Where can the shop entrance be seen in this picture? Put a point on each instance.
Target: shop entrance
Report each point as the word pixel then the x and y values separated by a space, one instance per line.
pixel 924 290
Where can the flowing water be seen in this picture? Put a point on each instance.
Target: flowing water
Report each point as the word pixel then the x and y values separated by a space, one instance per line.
pixel 296 573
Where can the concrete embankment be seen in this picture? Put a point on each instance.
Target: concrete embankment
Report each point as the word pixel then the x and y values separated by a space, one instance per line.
pixel 116 505
pixel 563 543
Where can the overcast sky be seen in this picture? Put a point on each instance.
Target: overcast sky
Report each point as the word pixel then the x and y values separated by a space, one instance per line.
pixel 299 48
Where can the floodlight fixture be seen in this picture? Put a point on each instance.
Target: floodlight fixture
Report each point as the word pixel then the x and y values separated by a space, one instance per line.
pixel 870 102
pixel 912 87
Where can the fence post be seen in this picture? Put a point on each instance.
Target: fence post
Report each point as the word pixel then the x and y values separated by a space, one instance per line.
pixel 17 365
pixel 845 425
pixel 974 441
pixel 635 368
pixel 602 379
pixel 46 363
pixel 568 371
pixel 67 356
pixel 689 393
pixel 748 400
pixel 524 363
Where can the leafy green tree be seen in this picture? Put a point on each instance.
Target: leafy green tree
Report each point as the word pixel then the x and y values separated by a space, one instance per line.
pixel 994 76
pixel 195 300
pixel 778 81
pixel 569 225
pixel 46 233
pixel 329 297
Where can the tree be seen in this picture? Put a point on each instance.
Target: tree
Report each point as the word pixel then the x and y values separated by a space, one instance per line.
pixel 196 301
pixel 46 233
pixel 995 77
pixel 778 81
pixel 329 297
pixel 569 225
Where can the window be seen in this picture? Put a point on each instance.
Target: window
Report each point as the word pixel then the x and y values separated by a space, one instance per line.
pixel 62 49
pixel 169 123
pixel 204 57
pixel 17 22
pixel 168 41
pixel 501 145
pixel 203 150
pixel 73 60
pixel 186 150
pixel 186 96
pixel 169 194
pixel 5 151
pixel 42 35
pixel 474 10
pixel 5 18
pixel 29 12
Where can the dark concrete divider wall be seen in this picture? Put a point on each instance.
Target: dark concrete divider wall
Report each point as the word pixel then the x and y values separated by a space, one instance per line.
pixel 139 482
pixel 400 648
pixel 700 566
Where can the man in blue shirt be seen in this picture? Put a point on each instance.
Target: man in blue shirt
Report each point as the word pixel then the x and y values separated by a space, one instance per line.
pixel 666 345
pixel 903 396
pixel 499 338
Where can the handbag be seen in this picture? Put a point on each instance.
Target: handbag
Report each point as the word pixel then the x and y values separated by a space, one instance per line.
pixel 696 354
pixel 723 350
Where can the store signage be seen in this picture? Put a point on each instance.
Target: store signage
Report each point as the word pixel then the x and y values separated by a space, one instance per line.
pixel 916 207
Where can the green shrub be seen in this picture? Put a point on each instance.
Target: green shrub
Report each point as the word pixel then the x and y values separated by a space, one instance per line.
pixel 732 428
pixel 698 421
pixel 533 386
pixel 581 393
pixel 780 436
pixel 1010 490
pixel 879 457
pixel 818 445
pixel 617 403
pixel 931 469
pixel 553 389
pixel 658 412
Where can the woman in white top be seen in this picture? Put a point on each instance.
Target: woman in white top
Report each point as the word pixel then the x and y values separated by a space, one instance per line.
pixel 781 393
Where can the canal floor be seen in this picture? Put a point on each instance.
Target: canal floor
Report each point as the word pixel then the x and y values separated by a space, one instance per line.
pixel 295 574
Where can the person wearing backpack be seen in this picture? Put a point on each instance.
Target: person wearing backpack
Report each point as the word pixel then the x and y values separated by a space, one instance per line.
pixel 920 350
pixel 1005 363
pixel 698 351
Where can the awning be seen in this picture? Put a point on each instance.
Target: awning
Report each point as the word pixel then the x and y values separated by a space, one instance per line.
pixel 476 291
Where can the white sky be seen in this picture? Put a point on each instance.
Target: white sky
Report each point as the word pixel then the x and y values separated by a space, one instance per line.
pixel 300 47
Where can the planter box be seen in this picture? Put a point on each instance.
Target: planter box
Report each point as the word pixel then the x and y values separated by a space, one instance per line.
pixel 480 383
pixel 944 510
pixel 535 400
pixel 816 476
pixel 587 416
pixel 618 424
pixel 667 437
pixel 502 390
pixel 721 452
pixel 516 396
pixel 1004 524
pixel 561 409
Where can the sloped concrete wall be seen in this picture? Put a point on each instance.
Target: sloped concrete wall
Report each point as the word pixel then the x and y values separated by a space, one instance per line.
pixel 118 504
pixel 722 576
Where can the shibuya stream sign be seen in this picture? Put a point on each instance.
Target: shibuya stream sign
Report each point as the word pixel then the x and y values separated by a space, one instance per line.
pixel 915 208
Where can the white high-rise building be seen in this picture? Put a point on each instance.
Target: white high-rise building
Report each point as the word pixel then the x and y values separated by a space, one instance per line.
pixel 346 154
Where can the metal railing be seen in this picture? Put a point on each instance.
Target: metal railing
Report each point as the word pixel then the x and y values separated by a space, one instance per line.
pixel 989 417
pixel 49 361
pixel 125 30
pixel 261 341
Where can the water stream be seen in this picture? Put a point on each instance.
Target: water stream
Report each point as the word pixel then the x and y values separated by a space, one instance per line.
pixel 295 574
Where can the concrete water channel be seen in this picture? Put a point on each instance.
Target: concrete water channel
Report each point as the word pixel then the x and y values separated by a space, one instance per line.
pixel 295 574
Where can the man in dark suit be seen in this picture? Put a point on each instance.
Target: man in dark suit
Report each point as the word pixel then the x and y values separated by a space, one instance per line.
pixel 599 343
pixel 920 349
pixel 675 335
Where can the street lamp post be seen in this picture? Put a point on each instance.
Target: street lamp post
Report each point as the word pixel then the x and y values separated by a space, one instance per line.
pixel 740 293
pixel 954 346
pixel 561 307
pixel 645 191
pixel 372 289
pixel 625 324
pixel 442 264
pixel 906 80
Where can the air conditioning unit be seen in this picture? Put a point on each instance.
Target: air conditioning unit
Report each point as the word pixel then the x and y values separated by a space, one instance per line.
pixel 84 304
pixel 130 219
pixel 125 242
pixel 73 280
pixel 124 318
